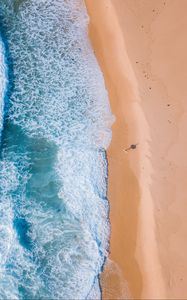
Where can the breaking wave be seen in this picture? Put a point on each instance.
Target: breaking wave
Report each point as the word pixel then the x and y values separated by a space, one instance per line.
pixel 53 170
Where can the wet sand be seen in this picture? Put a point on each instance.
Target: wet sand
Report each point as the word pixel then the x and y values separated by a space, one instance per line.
pixel 141 47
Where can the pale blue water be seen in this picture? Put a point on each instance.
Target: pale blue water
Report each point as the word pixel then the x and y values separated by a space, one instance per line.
pixel 55 124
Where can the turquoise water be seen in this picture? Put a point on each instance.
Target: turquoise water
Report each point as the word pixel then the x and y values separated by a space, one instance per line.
pixel 3 83
pixel 55 124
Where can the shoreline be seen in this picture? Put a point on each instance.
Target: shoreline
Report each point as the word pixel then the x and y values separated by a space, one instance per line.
pixel 132 233
pixel 141 48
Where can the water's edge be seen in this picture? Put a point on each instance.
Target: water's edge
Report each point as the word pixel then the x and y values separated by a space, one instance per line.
pixel 53 167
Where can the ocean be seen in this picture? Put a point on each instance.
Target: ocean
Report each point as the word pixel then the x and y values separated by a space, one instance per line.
pixel 55 127
pixel 3 83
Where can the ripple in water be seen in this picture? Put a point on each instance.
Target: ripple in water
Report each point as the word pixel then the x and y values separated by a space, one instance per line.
pixel 3 83
pixel 53 169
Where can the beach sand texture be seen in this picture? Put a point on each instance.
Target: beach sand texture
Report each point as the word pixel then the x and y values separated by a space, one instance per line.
pixel 141 46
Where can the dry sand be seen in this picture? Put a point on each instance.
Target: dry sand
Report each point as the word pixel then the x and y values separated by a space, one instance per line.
pixel 141 46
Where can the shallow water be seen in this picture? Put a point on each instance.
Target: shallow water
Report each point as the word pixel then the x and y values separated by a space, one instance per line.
pixel 53 168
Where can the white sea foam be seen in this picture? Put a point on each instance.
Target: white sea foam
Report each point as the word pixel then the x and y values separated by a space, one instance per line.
pixel 3 82
pixel 57 130
pixel 8 182
pixel 73 87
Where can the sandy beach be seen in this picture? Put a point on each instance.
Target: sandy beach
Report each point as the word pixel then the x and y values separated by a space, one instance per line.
pixel 141 47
